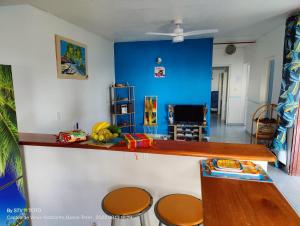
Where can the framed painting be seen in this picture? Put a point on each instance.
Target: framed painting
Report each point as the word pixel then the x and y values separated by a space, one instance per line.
pixel 150 114
pixel 159 72
pixel 71 59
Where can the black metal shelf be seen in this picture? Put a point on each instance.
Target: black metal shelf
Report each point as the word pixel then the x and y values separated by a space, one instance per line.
pixel 128 99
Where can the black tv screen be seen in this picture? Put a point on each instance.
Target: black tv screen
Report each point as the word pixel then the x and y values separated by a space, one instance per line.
pixel 191 114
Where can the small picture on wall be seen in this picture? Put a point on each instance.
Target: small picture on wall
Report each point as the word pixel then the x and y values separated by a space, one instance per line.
pixel 150 114
pixel 71 59
pixel 159 72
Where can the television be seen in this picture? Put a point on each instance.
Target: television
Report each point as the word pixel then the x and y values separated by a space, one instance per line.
pixel 189 114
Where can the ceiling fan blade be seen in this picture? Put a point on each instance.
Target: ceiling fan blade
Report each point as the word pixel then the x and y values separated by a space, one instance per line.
pixel 200 32
pixel 162 34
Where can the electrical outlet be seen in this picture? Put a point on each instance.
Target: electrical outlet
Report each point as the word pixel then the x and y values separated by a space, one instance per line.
pixel 59 116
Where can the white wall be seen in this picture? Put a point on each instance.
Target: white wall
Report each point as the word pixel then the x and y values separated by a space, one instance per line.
pixel 237 82
pixel 269 46
pixel 72 182
pixel 27 43
pixel 258 55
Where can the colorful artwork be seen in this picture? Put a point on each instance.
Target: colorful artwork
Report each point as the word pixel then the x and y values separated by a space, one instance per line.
pixel 159 72
pixel 71 58
pixel 13 203
pixel 150 114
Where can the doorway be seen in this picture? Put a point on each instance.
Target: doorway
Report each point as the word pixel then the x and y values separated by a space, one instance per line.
pixel 219 91
pixel 271 68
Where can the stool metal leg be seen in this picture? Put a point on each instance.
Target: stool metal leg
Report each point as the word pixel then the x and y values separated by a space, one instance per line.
pixel 113 222
pixel 142 219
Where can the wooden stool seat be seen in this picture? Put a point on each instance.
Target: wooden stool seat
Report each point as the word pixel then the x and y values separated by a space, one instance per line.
pixel 179 209
pixel 126 201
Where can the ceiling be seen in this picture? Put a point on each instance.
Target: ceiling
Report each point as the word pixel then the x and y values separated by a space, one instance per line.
pixel 128 20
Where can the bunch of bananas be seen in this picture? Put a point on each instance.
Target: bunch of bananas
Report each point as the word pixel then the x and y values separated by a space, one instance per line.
pixel 100 132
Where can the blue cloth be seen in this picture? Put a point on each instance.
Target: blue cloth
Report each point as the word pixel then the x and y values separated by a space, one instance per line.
pixel 289 94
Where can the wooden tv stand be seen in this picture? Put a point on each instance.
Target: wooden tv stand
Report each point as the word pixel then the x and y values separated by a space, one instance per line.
pixel 186 132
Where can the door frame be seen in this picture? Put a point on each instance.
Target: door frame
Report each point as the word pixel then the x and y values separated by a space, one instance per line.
pixel 246 69
pixel 294 159
pixel 228 68
pixel 268 64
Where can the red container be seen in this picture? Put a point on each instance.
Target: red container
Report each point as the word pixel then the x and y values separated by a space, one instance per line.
pixel 138 140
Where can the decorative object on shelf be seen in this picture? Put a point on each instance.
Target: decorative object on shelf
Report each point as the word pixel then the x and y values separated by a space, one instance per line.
pixel 124 109
pixel 158 60
pixel 159 72
pixel 150 113
pixel 122 106
pixel 72 136
pixel 204 114
pixel 171 114
pixel 71 58
pixel 120 85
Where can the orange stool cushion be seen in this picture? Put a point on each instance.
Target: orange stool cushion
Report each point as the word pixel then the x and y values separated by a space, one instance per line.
pixel 126 201
pixel 180 209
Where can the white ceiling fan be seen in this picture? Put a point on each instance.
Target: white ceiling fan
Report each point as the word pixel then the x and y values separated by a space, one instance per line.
pixel 178 34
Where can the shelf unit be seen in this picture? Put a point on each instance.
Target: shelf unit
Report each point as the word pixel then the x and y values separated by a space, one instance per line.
pixel 122 102
pixel 187 132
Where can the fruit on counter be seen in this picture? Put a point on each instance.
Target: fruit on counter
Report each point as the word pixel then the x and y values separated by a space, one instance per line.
pixel 101 132
pixel 100 125
pixel 114 129
pixel 104 135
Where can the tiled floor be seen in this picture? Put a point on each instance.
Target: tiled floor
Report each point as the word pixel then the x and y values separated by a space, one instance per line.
pixel 219 132
pixel 289 186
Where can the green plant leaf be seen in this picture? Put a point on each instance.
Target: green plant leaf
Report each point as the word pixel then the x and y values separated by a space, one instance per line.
pixel 9 146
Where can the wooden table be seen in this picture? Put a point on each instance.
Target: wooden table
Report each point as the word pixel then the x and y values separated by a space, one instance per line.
pixel 228 202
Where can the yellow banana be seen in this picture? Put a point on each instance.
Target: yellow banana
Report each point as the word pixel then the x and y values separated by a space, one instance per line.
pixel 95 126
pixel 101 138
pixel 115 135
pixel 100 125
pixel 96 137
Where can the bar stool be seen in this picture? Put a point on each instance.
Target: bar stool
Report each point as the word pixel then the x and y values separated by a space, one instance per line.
pixel 179 210
pixel 127 202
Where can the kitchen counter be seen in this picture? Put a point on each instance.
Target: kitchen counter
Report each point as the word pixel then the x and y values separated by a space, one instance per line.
pixel 73 178
pixel 229 202
pixel 252 152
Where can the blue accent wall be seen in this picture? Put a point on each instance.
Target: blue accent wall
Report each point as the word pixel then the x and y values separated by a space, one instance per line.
pixel 188 74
